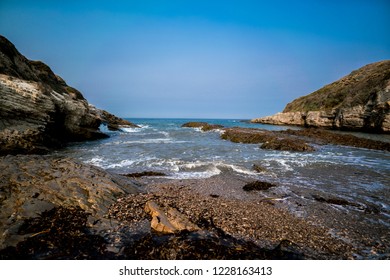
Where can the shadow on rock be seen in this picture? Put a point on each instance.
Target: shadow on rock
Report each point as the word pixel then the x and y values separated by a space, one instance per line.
pixel 60 233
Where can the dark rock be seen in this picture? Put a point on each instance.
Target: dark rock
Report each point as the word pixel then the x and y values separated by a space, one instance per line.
pixel 258 186
pixel 58 182
pixel 371 209
pixel 367 208
pixel 285 144
pixel 328 137
pixel 331 200
pixel 60 233
pixel 203 125
pixel 269 139
pixel 258 168
pixel 247 136
pixel 145 173
pixel 206 245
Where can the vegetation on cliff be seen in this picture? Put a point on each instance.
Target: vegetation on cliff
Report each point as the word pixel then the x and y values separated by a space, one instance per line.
pixel 357 88
pixel 358 102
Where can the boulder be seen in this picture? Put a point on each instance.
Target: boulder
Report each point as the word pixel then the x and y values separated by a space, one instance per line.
pixel 172 222
pixel 257 186
pixel 32 184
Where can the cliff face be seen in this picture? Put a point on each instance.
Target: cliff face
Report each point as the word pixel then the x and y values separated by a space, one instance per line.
pixel 359 101
pixel 38 110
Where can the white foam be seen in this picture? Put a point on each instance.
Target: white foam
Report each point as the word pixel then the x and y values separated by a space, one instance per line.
pixel 97 161
pixel 165 133
pixel 122 163
pixel 152 141
pixel 130 129
pixel 239 169
pixel 197 175
pixel 133 129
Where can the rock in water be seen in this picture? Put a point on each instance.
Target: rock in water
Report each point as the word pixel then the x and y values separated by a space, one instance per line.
pixel 38 110
pixel 202 125
pixel 360 101
pixel 258 186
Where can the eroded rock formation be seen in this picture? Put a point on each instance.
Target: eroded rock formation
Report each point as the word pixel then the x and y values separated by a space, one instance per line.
pixel 359 101
pixel 38 110
pixel 31 184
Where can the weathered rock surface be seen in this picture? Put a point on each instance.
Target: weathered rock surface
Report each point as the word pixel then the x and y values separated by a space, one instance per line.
pixel 270 140
pixel 38 110
pixel 170 222
pixel 359 101
pixel 31 184
pixel 322 136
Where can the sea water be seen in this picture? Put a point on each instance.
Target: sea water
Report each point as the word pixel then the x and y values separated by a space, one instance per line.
pixel 355 174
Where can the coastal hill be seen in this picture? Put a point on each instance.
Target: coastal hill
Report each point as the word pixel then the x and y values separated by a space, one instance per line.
pixel 39 111
pixel 359 101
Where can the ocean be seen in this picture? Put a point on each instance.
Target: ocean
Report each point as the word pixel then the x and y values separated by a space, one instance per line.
pixel 361 176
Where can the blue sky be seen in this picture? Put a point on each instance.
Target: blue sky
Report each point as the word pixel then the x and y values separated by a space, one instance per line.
pixel 193 59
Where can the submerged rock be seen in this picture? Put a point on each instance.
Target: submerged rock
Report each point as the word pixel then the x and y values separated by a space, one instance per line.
pixel 269 139
pixel 202 125
pixel 258 168
pixel 258 186
pixel 285 144
pixel 247 135
pixel 144 173
pixel 323 136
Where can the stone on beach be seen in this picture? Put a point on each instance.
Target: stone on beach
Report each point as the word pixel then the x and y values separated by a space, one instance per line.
pixel 171 222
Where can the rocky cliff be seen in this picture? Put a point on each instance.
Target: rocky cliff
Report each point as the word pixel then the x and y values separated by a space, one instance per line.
pixel 359 101
pixel 38 110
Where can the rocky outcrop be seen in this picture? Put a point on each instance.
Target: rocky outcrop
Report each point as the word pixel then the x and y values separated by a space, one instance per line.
pixel 202 125
pixel 113 122
pixel 269 140
pixel 31 184
pixel 358 102
pixel 38 110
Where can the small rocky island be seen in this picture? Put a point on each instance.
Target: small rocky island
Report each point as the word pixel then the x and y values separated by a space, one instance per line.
pixel 359 101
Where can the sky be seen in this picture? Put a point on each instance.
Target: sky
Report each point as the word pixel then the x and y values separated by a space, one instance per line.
pixel 198 59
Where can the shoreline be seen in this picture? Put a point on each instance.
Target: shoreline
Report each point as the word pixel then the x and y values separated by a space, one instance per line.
pixel 265 224
pixel 307 223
